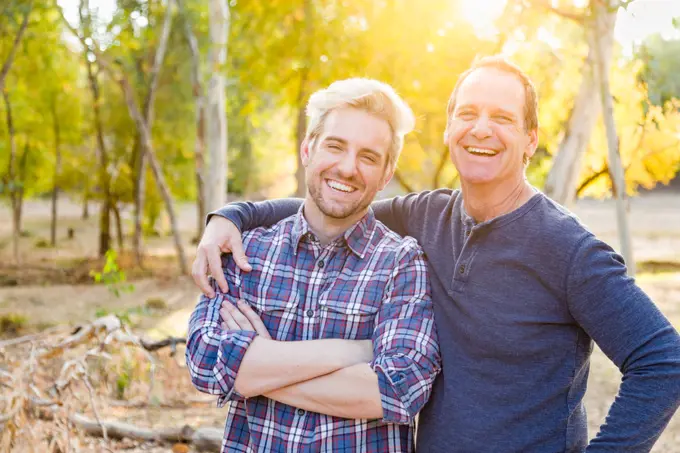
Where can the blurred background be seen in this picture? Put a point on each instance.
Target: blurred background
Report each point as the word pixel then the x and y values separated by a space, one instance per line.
pixel 122 123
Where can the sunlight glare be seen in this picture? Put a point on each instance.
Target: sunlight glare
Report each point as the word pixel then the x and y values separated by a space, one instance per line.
pixel 481 14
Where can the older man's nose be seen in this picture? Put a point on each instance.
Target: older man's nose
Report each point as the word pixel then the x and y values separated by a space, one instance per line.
pixel 481 129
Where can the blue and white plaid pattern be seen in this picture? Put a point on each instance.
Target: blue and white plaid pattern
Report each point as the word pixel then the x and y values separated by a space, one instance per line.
pixel 368 284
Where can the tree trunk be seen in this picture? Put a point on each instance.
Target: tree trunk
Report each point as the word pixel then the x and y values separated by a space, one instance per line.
pixel 139 192
pixel 602 10
pixel 86 205
pixel 57 169
pixel 15 45
pixel 11 177
pixel 301 131
pixel 199 107
pixel 104 180
pixel 141 161
pixel 217 167
pixel 563 177
pixel 119 226
pixel 301 125
pixel 147 144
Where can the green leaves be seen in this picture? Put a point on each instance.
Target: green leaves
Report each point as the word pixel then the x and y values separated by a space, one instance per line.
pixel 112 276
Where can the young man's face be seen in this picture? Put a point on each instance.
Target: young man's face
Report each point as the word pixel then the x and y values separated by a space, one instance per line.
pixel 348 163
pixel 487 138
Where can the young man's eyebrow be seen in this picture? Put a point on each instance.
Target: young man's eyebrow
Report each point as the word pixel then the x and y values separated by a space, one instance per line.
pixel 335 139
pixel 344 142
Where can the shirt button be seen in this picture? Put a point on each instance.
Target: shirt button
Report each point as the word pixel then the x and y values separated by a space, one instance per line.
pixel 301 412
pixel 310 312
pixel 461 269
pixel 321 264
pixel 467 233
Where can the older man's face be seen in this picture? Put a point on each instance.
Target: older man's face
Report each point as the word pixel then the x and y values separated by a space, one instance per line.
pixel 487 138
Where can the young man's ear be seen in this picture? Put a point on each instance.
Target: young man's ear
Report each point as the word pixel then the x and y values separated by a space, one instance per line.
pixel 389 173
pixel 305 152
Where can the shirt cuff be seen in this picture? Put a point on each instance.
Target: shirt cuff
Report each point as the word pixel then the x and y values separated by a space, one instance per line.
pixel 394 390
pixel 230 354
pixel 228 212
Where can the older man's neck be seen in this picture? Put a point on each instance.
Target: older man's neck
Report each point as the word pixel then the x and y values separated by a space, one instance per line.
pixel 487 201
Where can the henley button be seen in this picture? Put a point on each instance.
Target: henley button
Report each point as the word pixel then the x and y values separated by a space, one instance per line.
pixel 467 233
pixel 301 412
pixel 461 269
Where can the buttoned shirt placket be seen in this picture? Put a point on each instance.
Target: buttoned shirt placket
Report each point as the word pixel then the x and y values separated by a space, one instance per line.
pixel 310 316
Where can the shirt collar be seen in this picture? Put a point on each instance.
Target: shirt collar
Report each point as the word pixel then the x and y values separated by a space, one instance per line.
pixel 357 237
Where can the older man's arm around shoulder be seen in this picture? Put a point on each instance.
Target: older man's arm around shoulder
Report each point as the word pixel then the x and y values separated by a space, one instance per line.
pixel 635 335
pixel 395 385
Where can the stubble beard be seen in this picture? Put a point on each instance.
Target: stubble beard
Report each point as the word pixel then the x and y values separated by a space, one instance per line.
pixel 333 211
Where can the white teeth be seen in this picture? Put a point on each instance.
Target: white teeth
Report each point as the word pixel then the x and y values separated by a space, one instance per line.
pixel 340 186
pixel 488 152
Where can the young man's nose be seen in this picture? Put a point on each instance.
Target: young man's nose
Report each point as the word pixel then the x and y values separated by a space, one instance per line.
pixel 347 165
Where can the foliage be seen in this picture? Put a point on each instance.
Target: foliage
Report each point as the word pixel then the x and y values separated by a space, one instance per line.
pixel 112 276
pixel 660 69
pixel 12 323
pixel 279 53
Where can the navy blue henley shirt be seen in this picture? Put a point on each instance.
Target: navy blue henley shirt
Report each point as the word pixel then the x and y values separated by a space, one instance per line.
pixel 518 302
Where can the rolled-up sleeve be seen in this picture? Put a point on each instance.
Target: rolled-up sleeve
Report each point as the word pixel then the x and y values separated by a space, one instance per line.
pixel 406 352
pixel 214 355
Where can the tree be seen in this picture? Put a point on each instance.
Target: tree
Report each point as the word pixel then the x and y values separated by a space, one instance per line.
pixel 661 68
pixel 216 165
pixel 27 7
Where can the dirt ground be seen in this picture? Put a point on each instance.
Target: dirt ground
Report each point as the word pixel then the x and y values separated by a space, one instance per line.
pixel 52 288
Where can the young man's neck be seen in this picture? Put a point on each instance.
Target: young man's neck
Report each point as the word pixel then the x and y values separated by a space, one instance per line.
pixel 326 228
pixel 487 201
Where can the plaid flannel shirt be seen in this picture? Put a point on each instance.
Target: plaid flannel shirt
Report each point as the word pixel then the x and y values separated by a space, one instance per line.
pixel 368 284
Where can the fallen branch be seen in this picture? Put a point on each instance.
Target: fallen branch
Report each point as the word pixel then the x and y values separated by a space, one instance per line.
pixel 28 338
pixel 170 341
pixel 209 439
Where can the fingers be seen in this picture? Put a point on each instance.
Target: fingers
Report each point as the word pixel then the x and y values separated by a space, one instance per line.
pixel 214 259
pixel 238 318
pixel 198 273
pixel 254 319
pixel 238 254
pixel 228 321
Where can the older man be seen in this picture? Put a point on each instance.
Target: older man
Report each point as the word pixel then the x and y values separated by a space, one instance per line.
pixel 328 343
pixel 520 289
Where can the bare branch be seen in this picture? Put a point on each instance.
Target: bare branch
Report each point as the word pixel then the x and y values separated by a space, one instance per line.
pixel 579 18
pixel 15 45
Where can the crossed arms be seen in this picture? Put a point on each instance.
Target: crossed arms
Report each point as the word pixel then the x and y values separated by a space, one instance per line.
pixel 388 377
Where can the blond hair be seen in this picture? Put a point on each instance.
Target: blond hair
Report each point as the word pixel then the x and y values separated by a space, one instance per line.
pixel 372 96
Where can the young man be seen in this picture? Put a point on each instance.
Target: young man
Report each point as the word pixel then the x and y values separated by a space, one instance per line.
pixel 354 292
pixel 520 289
